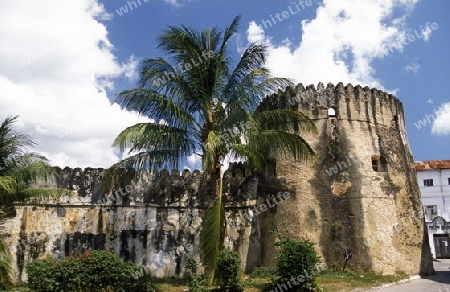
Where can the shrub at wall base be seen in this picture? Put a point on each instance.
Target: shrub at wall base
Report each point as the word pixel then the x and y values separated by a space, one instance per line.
pixel 89 271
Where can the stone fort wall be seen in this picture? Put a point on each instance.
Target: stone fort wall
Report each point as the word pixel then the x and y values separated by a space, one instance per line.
pixel 358 195
pixel 154 221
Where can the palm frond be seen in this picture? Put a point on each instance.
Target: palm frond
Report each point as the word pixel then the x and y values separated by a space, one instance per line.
pixel 250 89
pixel 231 29
pixel 253 58
pixel 212 236
pixel 210 151
pixel 265 85
pixel 5 265
pixel 180 41
pixel 29 172
pixel 151 136
pixel 245 152
pixel 155 159
pixel 39 195
pixel 187 47
pixel 157 106
pixel 285 120
pixel 275 142
pixel 159 77
pixel 239 118
pixel 12 143
pixel 263 144
pixel 8 189
pixel 154 73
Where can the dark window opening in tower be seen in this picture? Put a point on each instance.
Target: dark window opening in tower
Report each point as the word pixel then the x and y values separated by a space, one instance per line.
pixel 331 112
pixel 375 163
pixel 395 120
pixel 379 163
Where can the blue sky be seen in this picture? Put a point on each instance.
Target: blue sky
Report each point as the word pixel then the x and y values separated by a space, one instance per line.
pixel 61 65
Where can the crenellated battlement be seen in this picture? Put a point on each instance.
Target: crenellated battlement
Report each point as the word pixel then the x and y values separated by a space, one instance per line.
pixel 159 188
pixel 352 103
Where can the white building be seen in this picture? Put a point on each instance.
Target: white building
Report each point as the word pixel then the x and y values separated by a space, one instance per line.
pixel 434 182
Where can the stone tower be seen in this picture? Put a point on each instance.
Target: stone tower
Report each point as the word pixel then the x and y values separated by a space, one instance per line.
pixel 360 193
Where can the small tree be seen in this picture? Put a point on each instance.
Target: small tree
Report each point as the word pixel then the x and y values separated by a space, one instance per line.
pixel 298 263
pixel 194 281
pixel 228 271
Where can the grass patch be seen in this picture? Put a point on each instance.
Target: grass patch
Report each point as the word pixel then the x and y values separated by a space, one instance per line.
pixel 336 280
pixel 170 284
pixel 263 272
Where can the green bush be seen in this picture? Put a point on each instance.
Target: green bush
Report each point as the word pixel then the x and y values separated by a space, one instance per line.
pixel 96 271
pixel 228 271
pixel 298 264
pixel 195 282
pixel 44 275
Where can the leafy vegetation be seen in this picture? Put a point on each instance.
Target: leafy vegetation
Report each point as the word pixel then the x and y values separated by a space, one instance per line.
pixel 96 271
pixel 195 282
pixel 19 170
pixel 297 263
pixel 229 271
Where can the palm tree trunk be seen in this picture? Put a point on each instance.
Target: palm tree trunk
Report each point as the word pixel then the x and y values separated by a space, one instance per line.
pixel 216 181
pixel 213 227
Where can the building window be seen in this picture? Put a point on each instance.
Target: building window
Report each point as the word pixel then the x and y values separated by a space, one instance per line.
pixel 428 182
pixel 430 212
pixel 433 210
pixel 449 181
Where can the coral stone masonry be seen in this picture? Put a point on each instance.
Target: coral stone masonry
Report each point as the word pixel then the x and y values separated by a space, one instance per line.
pixel 371 205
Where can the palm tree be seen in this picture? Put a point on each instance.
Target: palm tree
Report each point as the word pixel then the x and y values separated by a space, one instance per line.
pixel 200 105
pixel 19 171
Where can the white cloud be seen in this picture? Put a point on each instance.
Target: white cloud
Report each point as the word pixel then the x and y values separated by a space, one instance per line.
pixel 59 90
pixel 441 125
pixel 414 66
pixel 194 159
pixel 130 68
pixel 172 2
pixel 340 44
pixel 426 32
pixel 175 3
